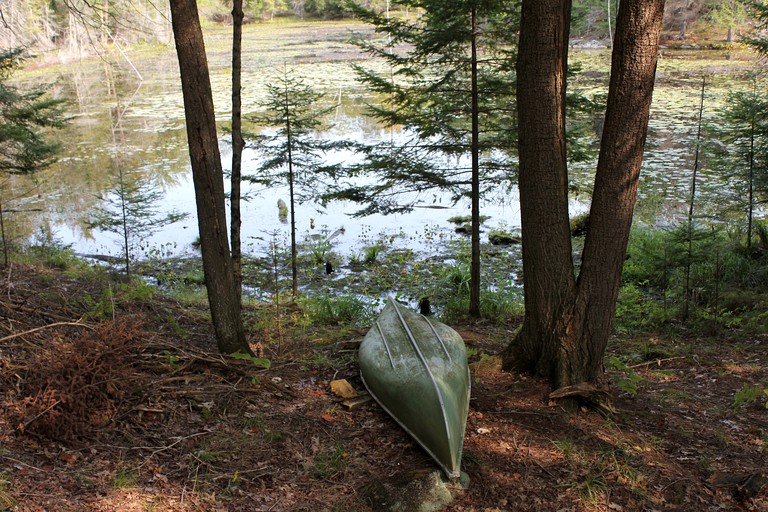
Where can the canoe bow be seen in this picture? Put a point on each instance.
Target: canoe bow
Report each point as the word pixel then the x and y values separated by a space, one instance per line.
pixel 416 369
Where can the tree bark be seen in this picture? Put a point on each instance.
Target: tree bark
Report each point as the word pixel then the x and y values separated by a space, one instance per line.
pixel 208 177
pixel 474 292
pixel 237 144
pixel 633 70
pixel 548 274
pixel 567 321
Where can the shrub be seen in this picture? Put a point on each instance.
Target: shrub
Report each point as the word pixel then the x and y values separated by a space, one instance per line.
pixel 77 385
pixel 637 312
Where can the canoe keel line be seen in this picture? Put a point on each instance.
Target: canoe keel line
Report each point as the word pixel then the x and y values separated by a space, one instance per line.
pixel 416 369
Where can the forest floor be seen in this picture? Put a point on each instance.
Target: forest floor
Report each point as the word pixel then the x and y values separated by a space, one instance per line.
pixel 113 400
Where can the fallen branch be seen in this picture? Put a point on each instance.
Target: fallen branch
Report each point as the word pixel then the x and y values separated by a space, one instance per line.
pixel 164 448
pixel 57 324
pixel 656 361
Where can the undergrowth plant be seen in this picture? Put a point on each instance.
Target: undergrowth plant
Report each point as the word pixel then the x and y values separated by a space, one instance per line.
pixel 628 380
pixel 714 287
pixel 749 395
pixel 338 310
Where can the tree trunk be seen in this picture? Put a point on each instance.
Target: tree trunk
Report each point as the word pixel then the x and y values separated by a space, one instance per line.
pixel 567 321
pixel 548 275
pixel 208 177
pixel 633 70
pixel 237 143
pixel 474 292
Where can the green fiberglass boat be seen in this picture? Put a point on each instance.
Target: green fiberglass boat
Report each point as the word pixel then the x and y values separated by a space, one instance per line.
pixel 416 368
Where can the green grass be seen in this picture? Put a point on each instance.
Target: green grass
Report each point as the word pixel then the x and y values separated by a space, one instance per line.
pixel 124 478
pixel 328 463
pixel 337 310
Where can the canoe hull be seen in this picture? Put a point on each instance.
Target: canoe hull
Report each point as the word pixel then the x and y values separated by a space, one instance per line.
pixel 416 369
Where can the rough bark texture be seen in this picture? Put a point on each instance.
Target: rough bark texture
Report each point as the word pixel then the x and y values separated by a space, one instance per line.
pixel 567 321
pixel 208 177
pixel 633 70
pixel 547 264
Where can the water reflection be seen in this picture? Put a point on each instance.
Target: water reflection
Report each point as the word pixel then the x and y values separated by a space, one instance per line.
pixel 153 141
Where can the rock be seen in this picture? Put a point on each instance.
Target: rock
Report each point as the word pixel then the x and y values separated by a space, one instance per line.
pixel 415 491
pixel 499 237
pixel 579 224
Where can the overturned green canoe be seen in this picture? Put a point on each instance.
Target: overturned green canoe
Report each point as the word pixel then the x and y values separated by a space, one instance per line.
pixel 416 368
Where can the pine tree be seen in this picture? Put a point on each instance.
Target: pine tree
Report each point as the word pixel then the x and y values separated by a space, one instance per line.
pixel 25 119
pixel 742 137
pixel 452 92
pixel 294 157
pixel 757 38
pixel 129 209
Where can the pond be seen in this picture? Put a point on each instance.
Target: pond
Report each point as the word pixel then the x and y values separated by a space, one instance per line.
pixel 128 115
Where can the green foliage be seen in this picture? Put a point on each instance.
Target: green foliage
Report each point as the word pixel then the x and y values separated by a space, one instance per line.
pixel 629 380
pixel 428 92
pixel 740 151
pixel 567 447
pixel 103 308
pixel 749 395
pixel 171 359
pixel 338 310
pixel 636 311
pixel 371 253
pixel 720 284
pixel 454 279
pixel 260 362
pixel 51 252
pixel 502 306
pixel 24 119
pixel 328 463
pixel 293 155
pixel 124 478
pixel 319 245
pixel 756 38
pixel 591 489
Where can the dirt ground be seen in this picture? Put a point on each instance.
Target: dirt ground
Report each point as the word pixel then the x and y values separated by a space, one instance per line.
pixel 119 402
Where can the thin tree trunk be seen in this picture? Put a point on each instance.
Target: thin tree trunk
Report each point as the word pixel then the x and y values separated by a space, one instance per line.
pixel 208 177
pixel 291 177
pixel 237 144
pixel 474 292
pixel 751 192
pixel 691 206
pixel 610 30
pixel 2 235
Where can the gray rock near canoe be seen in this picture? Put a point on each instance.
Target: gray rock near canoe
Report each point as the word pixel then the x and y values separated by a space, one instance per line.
pixel 416 491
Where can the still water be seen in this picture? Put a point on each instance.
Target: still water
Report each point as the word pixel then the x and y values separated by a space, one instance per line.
pixel 129 119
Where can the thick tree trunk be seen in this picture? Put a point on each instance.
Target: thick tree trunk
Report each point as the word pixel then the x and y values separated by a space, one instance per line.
pixel 548 274
pixel 633 70
pixel 207 176
pixel 567 321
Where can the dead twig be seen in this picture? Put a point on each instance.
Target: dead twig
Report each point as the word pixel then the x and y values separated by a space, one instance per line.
pixel 655 361
pixel 48 326
pixel 168 447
